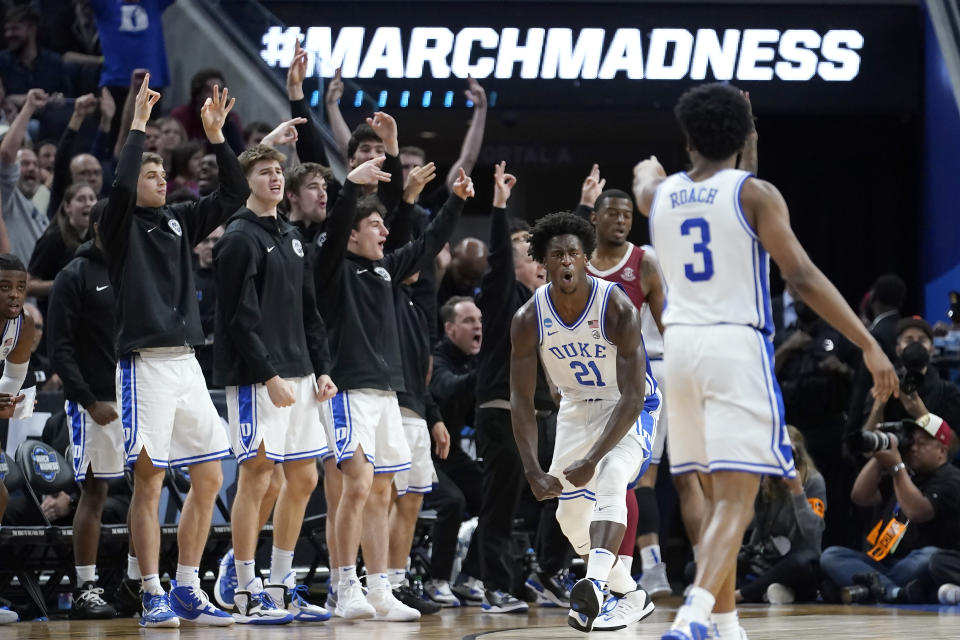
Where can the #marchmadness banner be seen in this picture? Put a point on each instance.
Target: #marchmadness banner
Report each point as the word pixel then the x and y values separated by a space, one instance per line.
pixel 578 54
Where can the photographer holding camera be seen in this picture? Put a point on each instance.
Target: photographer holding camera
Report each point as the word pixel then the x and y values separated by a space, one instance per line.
pixel 922 390
pixel 917 500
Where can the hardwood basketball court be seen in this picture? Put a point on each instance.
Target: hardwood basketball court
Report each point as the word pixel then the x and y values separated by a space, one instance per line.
pixel 760 622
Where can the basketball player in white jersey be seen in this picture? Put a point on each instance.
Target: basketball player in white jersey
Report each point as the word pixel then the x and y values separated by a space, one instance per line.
pixel 715 229
pixel 587 334
pixel 636 269
pixel 16 340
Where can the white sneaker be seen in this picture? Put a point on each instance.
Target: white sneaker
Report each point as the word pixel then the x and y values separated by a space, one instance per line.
pixel 654 581
pixel 779 594
pixel 618 613
pixel 388 608
pixel 469 591
pixel 949 594
pixel 7 616
pixel 294 601
pixel 258 608
pixel 439 591
pixel 352 605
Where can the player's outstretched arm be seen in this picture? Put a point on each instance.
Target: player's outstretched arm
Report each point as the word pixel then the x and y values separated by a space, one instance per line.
pixel 647 176
pixel 767 211
pixel 622 324
pixel 523 385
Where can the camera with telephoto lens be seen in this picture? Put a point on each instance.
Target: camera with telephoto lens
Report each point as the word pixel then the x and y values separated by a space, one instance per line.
pixel 880 440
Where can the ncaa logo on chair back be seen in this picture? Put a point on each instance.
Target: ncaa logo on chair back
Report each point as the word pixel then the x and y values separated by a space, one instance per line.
pixel 44 463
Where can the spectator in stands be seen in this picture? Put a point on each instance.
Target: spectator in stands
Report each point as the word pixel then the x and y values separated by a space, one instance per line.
pixel 254 133
pixel 74 165
pixel 454 386
pixel 201 88
pixel 462 278
pixel 151 141
pixel 46 152
pixel 185 166
pixel 208 175
pixel 780 562
pixel 917 500
pixel 922 390
pixel 883 306
pixel 20 182
pixel 203 278
pixel 307 200
pixel 24 65
pixel 55 248
pixel 172 135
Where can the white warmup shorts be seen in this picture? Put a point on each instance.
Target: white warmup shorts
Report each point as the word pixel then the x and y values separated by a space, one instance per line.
pixel 290 433
pixel 166 410
pixel 421 476
pixel 579 425
pixel 660 442
pixel 94 447
pixel 724 402
pixel 369 419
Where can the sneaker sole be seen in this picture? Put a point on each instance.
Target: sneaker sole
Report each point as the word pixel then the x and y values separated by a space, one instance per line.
pixel 647 610
pixel 172 623
pixel 209 622
pixel 258 620
pixel 216 595
pixel 579 622
pixel 520 608
pixel 309 617
pixel 356 615
pixel 583 600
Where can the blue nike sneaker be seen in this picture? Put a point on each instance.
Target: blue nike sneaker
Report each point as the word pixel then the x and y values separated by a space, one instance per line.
pixel 157 612
pixel 226 584
pixel 192 605
pixel 693 631
pixel 295 602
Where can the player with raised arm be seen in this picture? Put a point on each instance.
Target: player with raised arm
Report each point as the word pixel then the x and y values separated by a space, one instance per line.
pixel 586 331
pixel 715 229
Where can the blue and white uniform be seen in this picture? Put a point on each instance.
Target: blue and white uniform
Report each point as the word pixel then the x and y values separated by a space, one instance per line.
pixel 582 362
pixel 722 396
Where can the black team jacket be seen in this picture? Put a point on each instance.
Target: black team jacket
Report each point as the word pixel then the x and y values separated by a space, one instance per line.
pixel 149 252
pixel 414 335
pixel 500 297
pixel 267 322
pixel 80 334
pixel 357 300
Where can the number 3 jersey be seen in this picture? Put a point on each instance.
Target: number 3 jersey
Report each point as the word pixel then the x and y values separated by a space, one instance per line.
pixel 579 358
pixel 714 268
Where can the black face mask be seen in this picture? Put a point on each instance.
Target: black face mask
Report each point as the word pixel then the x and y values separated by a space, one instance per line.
pixel 915 356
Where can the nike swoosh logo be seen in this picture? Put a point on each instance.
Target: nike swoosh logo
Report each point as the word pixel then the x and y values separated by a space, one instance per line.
pixel 271 248
pixel 103 287
pixel 188 607
pixel 359 271
pixel 550 333
pixel 151 229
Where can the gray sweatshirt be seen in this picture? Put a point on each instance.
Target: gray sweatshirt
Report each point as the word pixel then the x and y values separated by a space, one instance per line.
pixel 791 518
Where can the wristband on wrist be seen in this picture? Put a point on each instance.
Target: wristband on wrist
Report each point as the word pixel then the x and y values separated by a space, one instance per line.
pixel 895 469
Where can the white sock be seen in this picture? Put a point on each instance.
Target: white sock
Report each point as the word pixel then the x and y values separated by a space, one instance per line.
pixel 397 577
pixel 151 584
pixel 86 573
pixel 620 580
pixel 697 608
pixel 650 556
pixel 334 579
pixel 728 625
pixel 246 572
pixel 188 576
pixel 599 564
pixel 133 567
pixel 627 562
pixel 281 567
pixel 348 577
pixel 696 552
pixel 378 582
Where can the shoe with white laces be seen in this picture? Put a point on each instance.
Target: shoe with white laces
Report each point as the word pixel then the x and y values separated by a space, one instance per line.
pixel 7 616
pixel 779 594
pixel 294 601
pixel 388 608
pixel 949 594
pixel 502 602
pixel 620 612
pixel 226 582
pixel 191 604
pixel 352 605
pixel 586 602
pixel 258 607
pixel 654 581
pixel 469 591
pixel 88 604
pixel 439 591
pixel 157 611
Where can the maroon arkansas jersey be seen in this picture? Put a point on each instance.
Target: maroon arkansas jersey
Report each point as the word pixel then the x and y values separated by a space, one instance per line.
pixel 626 272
